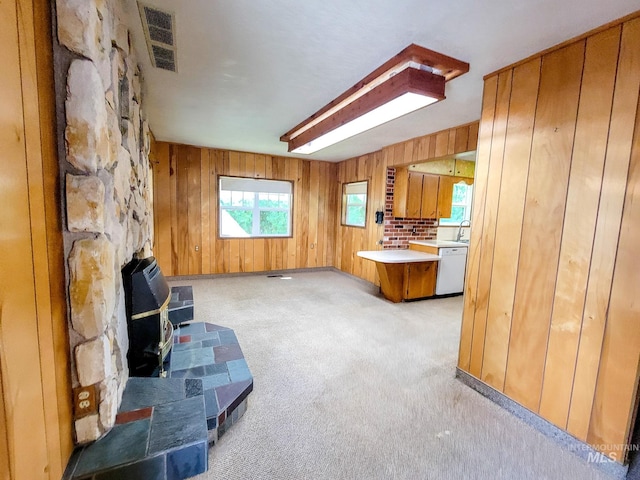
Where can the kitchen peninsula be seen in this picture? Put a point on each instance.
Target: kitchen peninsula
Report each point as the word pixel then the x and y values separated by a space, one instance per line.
pixel 404 274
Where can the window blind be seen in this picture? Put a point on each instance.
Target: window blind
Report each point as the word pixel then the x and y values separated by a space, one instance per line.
pixel 240 184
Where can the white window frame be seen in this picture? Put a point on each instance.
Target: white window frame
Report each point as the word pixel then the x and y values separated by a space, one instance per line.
pixel 256 187
pixel 354 188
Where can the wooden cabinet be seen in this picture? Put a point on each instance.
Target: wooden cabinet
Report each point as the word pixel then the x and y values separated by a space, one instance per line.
pixel 424 248
pixel 445 195
pixel 415 194
pixel 413 199
pixel 423 195
pixel 420 280
pixel 407 194
pixel 429 196
pixel 404 274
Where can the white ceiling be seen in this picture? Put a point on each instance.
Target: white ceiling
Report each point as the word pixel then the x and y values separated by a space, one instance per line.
pixel 249 70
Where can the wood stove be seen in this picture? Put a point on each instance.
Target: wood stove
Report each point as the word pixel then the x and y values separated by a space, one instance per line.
pixel 147 296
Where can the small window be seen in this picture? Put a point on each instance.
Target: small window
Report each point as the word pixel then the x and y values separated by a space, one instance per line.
pixel 354 204
pixel 255 208
pixel 461 204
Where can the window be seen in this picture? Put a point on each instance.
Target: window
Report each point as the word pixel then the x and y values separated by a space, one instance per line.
pixel 354 204
pixel 255 208
pixel 461 204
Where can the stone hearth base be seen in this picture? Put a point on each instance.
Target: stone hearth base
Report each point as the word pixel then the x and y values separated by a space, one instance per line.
pixel 212 353
pixel 165 425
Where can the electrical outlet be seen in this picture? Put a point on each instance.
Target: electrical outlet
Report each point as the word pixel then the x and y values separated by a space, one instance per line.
pixel 84 401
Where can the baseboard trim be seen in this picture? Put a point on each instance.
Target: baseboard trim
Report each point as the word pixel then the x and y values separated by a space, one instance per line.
pixel 562 438
pixel 179 278
pixel 291 271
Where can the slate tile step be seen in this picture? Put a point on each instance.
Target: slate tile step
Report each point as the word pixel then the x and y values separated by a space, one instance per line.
pixel 208 394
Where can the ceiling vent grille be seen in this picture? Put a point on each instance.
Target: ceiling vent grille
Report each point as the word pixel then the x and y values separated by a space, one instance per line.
pixel 159 31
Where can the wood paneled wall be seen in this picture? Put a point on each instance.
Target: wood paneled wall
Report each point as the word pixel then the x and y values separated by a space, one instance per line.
pixel 350 240
pixel 373 168
pixel 551 315
pixel 35 395
pixel 186 212
pixel 436 145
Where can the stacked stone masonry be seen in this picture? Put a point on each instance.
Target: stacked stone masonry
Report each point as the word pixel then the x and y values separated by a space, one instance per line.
pixel 399 231
pixel 107 195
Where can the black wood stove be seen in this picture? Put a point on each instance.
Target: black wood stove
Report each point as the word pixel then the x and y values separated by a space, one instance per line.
pixel 147 296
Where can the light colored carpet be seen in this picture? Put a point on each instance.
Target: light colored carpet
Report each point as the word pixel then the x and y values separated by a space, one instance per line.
pixel 350 386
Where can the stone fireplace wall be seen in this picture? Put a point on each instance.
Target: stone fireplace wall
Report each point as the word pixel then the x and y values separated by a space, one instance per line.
pixel 104 147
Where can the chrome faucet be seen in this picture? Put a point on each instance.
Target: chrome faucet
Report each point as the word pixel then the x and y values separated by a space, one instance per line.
pixel 460 234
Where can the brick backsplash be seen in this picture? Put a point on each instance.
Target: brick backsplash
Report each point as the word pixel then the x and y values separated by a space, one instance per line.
pixel 397 230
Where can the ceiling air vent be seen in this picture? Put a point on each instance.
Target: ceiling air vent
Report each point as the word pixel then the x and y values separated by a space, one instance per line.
pixel 159 30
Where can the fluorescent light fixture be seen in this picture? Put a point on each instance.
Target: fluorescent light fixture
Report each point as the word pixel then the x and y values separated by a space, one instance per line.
pixel 391 110
pixel 409 81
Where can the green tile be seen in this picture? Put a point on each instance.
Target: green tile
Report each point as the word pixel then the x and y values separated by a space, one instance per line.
pixel 176 424
pixel 125 443
pixel 185 359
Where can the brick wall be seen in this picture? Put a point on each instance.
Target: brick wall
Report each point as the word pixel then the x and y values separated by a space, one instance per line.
pixel 398 231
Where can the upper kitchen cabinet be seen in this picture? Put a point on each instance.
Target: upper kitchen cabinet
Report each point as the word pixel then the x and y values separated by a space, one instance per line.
pixel 422 195
pixel 430 186
pixel 450 196
pixel 407 194
pixel 447 172
pixel 415 194
pixel 445 196
pixel 429 195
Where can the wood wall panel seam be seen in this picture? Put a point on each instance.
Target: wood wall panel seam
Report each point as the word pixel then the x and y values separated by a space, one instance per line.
pixel 492 200
pixel 51 184
pixel 623 437
pixel 194 210
pixel 501 302
pixel 579 227
pixel 608 219
pixel 613 408
pixel 552 414
pixel 205 204
pixel 522 225
pixel 173 185
pixel 475 247
pixel 33 132
pixel 554 131
pixel 36 430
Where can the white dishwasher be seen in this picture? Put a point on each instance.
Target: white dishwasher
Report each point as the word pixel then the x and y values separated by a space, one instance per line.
pixel 451 268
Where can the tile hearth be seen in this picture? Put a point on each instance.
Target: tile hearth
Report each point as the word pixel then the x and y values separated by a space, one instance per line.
pixel 212 353
pixel 165 425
